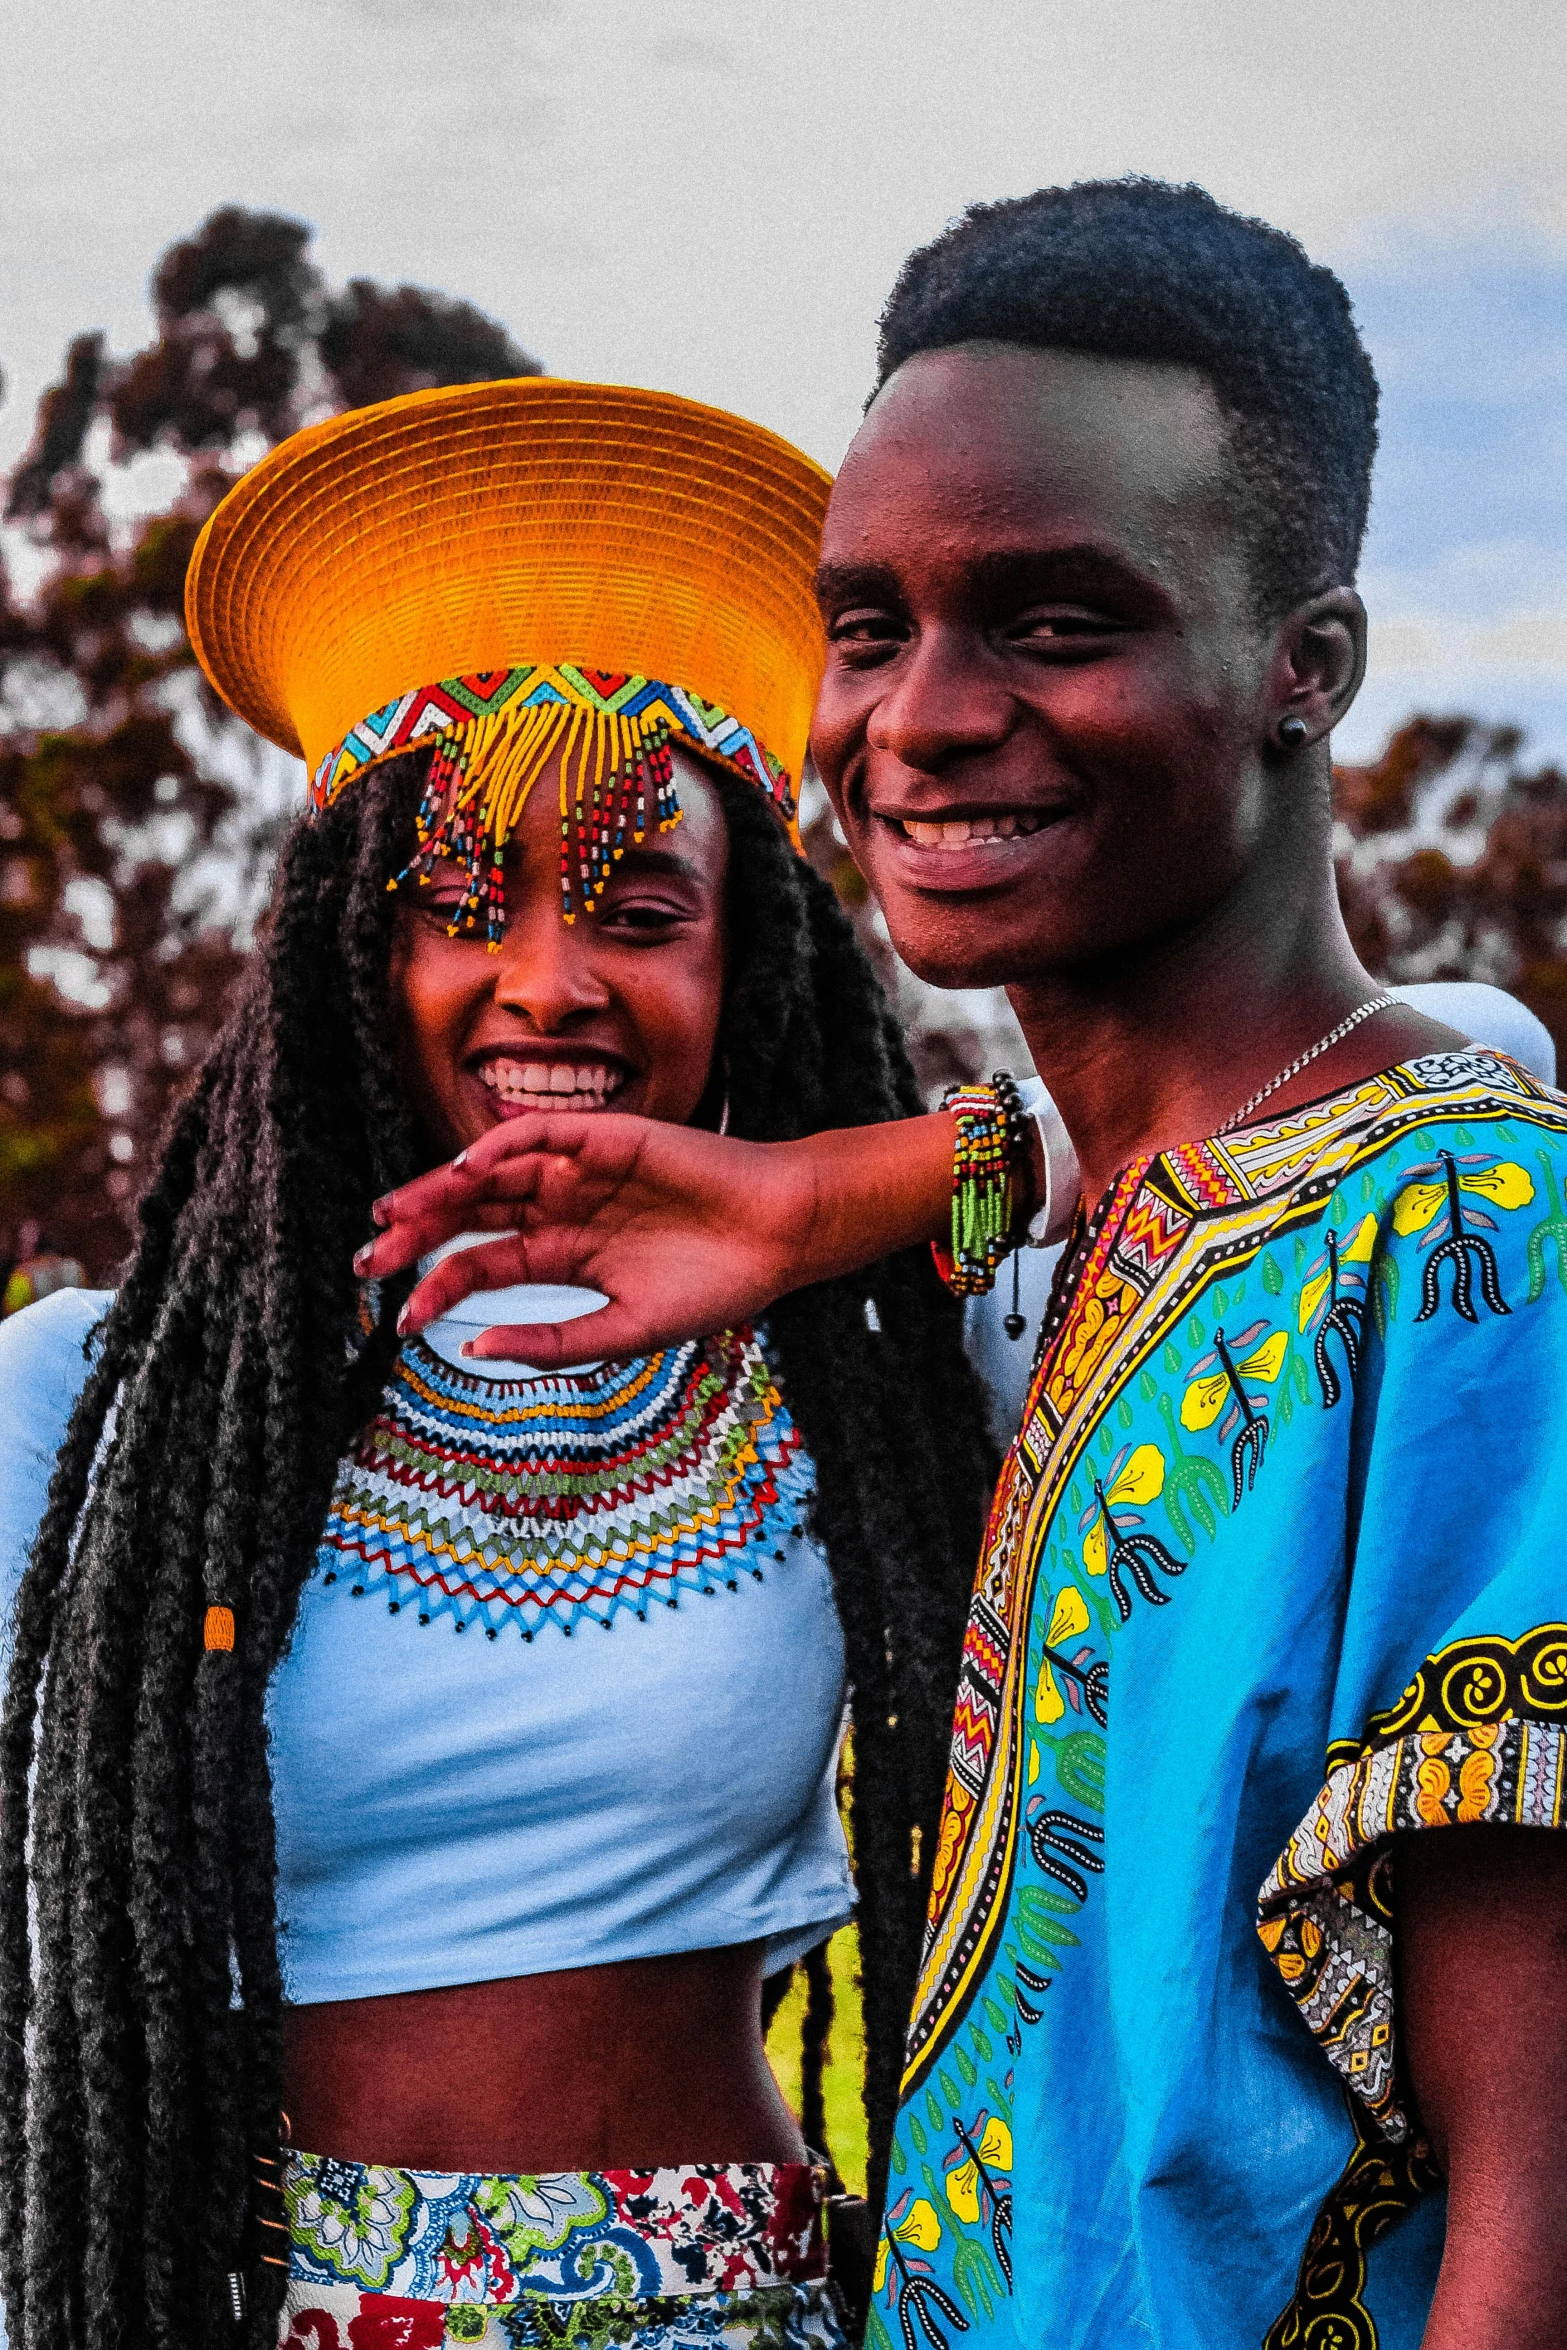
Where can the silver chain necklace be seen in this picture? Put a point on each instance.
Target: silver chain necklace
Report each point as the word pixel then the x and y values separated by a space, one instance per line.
pixel 1376 1003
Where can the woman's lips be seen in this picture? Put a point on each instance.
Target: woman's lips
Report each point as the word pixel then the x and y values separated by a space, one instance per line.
pixel 516 1087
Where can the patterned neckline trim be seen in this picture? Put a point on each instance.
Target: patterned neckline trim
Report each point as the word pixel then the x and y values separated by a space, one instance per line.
pixel 1233 1154
pixel 569 1498
pixel 1318 1119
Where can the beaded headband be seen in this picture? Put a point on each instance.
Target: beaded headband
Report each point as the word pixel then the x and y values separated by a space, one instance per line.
pixel 496 732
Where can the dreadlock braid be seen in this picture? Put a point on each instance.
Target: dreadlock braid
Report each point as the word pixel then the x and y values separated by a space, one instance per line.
pixel 141 2000
pixel 220 1400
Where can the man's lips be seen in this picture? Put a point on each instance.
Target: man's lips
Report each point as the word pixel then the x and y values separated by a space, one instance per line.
pixel 947 834
pixel 953 849
pixel 561 1080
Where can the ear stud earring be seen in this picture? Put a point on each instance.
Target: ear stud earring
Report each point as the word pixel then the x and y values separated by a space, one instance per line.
pixel 1293 732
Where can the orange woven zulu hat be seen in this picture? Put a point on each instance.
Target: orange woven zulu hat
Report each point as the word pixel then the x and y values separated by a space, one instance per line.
pixel 522 573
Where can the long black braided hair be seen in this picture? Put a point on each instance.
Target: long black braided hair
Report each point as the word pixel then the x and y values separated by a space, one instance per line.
pixel 141 2002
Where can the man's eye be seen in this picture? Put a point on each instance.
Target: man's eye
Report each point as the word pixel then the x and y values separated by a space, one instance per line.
pixel 1062 627
pixel 865 623
pixel 865 627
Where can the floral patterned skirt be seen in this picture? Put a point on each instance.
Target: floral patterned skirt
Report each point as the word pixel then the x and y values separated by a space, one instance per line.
pixel 707 2254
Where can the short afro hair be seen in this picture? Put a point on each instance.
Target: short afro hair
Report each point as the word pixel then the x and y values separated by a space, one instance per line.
pixel 1140 269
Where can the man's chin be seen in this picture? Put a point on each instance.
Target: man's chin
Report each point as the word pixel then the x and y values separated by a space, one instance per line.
pixel 953 971
pixel 960 946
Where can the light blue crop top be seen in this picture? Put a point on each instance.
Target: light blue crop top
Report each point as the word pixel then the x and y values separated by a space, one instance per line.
pixel 567 1684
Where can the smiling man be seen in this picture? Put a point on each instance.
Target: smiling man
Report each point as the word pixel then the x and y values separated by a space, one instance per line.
pixel 1088 586
pixel 1240 2016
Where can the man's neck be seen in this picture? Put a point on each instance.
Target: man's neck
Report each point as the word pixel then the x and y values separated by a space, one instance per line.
pixel 1166 1043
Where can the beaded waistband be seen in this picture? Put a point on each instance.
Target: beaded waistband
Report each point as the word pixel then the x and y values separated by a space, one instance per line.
pixel 462 2236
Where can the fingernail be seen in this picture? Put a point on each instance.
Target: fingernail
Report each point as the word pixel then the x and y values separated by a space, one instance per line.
pixel 402 1322
pixel 362 1256
pixel 461 1159
pixel 380 1208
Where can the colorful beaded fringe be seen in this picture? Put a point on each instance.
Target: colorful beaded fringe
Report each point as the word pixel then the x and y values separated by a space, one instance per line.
pixel 568 1499
pixel 495 732
pixel 987 1182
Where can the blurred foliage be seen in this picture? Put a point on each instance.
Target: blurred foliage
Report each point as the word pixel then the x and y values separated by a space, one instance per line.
pixel 1452 863
pixel 138 818
pixel 843 2075
pixel 135 826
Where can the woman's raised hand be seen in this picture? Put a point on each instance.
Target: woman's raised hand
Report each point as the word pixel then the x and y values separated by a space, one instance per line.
pixel 642 1210
pixel 684 1232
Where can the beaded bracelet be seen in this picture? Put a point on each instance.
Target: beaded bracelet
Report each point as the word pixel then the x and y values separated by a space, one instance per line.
pixel 989 1164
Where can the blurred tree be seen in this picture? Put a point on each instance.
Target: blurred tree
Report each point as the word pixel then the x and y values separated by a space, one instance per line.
pixel 136 816
pixel 1452 863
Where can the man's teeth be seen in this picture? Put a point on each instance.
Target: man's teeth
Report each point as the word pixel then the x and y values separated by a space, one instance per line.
pixel 957 832
pixel 565 1084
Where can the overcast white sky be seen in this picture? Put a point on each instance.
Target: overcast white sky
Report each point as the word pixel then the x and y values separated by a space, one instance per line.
pixel 714 197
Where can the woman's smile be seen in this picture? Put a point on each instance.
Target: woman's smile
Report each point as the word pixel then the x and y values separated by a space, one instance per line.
pixel 519 1081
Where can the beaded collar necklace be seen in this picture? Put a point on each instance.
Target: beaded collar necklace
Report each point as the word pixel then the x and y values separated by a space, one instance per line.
pixel 571 1498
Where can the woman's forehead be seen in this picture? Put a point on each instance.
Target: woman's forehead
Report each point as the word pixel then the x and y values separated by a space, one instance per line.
pixel 696 845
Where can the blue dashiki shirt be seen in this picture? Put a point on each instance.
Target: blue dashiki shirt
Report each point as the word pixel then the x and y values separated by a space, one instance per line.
pixel 1272 1572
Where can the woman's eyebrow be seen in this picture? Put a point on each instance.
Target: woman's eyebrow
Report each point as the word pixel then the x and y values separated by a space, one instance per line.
pixel 668 862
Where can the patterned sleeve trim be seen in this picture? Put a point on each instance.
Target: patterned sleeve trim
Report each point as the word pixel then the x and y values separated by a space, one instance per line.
pixel 1478 1737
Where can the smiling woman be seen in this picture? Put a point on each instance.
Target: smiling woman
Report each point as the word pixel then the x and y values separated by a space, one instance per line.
pixel 434 1758
pixel 623 1009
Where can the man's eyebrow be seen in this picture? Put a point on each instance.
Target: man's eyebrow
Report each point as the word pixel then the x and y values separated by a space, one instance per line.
pixel 1083 566
pixel 856 583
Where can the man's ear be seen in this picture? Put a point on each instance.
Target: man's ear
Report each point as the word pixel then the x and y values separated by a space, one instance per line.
pixel 1318 663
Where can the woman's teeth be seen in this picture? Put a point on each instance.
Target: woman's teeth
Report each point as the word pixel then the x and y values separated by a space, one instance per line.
pixel 559 1085
pixel 957 832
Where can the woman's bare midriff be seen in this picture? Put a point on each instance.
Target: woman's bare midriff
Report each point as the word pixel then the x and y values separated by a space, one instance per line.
pixel 650 2062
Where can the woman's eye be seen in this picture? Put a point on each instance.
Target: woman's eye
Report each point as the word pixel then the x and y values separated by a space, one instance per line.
pixel 442 894
pixel 644 915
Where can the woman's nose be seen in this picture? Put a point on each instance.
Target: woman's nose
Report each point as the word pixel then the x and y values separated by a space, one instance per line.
pixel 545 970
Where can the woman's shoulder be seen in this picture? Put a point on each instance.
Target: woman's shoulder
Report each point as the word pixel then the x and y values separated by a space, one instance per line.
pixel 43 1351
pixel 44 1361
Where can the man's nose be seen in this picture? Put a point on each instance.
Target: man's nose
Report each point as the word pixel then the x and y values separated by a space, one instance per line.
pixel 943 699
pixel 545 969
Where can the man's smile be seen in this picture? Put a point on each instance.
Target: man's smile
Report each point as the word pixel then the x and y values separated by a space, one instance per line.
pixel 957 849
pixel 956 832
